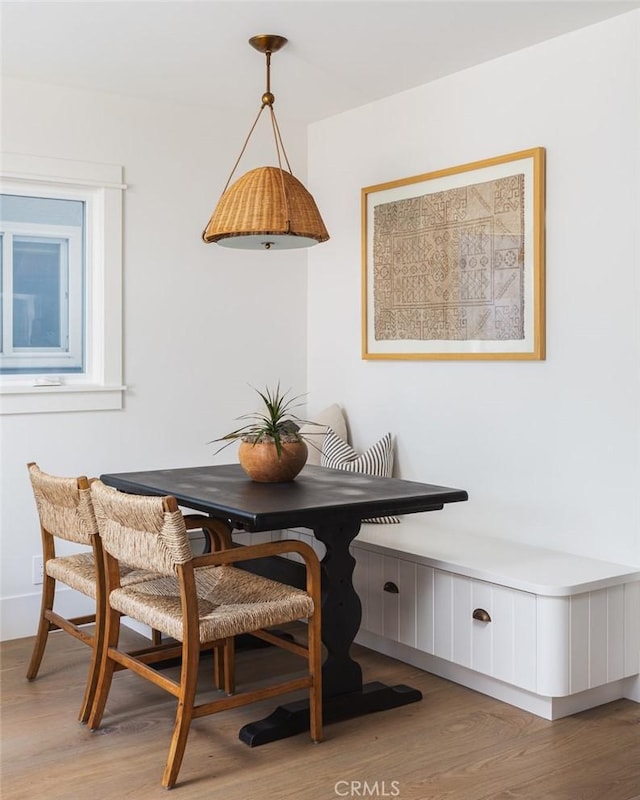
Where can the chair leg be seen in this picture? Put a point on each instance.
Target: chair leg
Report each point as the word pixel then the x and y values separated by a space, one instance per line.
pixel 107 666
pixel 156 637
pixel 94 668
pixel 184 713
pixel 92 682
pixel 229 652
pixel 224 666
pixel 44 626
pixel 315 668
pixel 218 667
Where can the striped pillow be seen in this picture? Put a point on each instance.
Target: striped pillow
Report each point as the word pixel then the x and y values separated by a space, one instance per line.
pixel 377 460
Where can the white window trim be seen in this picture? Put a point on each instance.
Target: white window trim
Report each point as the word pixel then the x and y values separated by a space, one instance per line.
pixel 100 388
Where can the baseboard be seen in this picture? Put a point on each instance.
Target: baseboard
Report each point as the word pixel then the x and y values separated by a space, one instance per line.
pixel 547 707
pixel 634 689
pixel 19 614
pixel 136 626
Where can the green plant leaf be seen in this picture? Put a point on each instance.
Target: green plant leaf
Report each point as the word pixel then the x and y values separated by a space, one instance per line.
pixel 278 421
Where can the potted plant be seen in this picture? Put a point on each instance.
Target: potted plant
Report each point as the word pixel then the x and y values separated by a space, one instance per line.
pixel 272 450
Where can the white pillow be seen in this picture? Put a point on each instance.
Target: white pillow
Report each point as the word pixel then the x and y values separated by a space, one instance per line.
pixel 377 460
pixel 314 435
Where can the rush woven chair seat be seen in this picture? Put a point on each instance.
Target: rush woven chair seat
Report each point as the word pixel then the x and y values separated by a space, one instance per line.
pixel 66 512
pixel 199 601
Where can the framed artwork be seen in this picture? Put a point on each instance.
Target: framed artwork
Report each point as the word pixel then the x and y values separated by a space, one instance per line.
pixel 453 262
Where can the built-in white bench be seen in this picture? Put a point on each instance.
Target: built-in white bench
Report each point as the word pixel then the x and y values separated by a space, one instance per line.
pixel 546 631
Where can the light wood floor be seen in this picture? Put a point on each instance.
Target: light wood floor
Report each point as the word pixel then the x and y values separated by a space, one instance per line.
pixel 454 745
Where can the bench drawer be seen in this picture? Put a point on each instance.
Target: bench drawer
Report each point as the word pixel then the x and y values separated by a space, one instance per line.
pixel 396 597
pixel 486 627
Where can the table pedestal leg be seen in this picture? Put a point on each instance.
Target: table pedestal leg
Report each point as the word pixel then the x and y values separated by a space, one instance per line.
pixel 344 695
pixel 293 718
pixel 341 608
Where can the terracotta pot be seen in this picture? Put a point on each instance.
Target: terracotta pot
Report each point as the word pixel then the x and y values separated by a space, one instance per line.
pixel 261 463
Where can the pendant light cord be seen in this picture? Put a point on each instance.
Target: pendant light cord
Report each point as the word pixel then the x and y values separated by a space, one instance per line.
pixel 268 100
pixel 244 147
pixel 279 145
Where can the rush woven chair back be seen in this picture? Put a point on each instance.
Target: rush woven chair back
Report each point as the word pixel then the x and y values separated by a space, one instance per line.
pixel 198 601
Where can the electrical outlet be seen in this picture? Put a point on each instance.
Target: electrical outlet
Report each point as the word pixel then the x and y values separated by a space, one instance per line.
pixel 37 567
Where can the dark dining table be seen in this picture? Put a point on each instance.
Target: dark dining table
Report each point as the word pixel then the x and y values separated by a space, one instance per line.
pixel 332 503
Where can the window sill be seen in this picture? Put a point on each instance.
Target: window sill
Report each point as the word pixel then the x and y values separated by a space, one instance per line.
pixel 29 399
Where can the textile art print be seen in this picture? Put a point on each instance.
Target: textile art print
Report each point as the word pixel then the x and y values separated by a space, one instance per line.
pixel 450 265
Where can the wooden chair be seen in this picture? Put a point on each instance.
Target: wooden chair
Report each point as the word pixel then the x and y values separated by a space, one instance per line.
pixel 66 512
pixel 200 601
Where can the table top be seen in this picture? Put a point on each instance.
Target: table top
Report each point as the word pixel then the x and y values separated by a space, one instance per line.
pixel 316 494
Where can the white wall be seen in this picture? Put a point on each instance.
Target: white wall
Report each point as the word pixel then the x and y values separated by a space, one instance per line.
pixel 201 322
pixel 548 451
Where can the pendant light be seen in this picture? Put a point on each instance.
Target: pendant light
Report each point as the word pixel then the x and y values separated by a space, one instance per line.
pixel 268 208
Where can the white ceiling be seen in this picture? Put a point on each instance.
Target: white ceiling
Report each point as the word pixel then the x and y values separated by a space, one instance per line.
pixel 341 53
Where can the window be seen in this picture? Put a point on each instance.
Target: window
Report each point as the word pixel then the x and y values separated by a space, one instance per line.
pixel 60 285
pixel 42 284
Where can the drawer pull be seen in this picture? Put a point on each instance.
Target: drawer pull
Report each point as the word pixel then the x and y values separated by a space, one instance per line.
pixel 481 614
pixel 391 587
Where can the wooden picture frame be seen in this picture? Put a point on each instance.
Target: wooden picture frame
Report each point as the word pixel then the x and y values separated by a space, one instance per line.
pixel 453 262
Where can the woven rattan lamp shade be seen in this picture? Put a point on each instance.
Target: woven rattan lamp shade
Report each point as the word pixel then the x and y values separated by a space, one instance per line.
pixel 254 212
